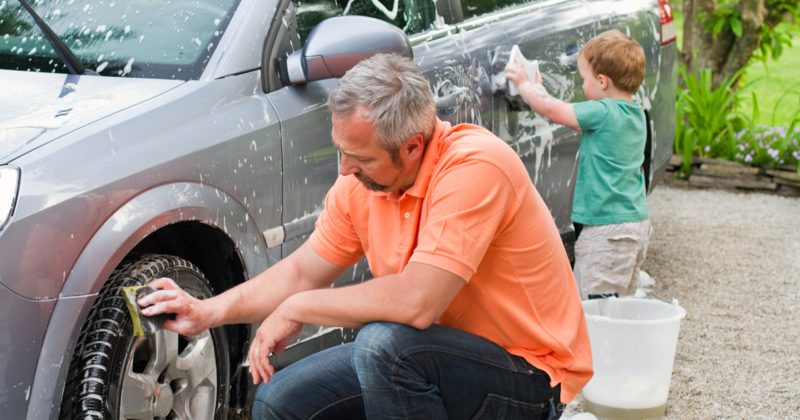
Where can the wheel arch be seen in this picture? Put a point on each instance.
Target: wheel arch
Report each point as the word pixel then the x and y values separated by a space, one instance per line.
pixel 214 229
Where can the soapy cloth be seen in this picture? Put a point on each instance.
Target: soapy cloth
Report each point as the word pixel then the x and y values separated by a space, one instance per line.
pixel 531 67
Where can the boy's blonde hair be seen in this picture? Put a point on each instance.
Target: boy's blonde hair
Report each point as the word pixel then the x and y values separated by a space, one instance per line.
pixel 617 56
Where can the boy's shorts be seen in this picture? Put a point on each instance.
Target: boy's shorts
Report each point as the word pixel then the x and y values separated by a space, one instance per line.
pixel 608 257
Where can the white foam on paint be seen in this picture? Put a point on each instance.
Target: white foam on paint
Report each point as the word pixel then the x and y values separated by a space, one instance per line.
pixel 526 144
pixel 389 14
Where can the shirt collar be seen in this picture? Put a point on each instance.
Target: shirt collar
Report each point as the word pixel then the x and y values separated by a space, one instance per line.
pixel 429 162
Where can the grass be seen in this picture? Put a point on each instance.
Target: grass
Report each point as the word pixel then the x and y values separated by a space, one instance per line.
pixel 779 78
pixel 778 93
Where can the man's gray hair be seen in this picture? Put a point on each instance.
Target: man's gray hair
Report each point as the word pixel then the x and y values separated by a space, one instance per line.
pixel 395 95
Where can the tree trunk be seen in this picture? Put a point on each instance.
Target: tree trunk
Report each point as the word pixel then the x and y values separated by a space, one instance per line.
pixel 725 54
pixel 686 55
pixel 753 13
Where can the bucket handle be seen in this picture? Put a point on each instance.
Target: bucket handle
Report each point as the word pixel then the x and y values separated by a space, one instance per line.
pixel 616 295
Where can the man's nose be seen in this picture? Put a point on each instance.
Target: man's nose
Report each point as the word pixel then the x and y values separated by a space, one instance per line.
pixel 347 166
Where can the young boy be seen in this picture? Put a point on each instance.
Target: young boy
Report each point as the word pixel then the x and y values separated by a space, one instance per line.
pixel 609 193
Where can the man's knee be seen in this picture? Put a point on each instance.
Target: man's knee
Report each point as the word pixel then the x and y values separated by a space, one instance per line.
pixel 266 396
pixel 278 399
pixel 381 340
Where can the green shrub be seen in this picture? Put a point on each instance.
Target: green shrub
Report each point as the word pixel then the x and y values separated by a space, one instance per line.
pixel 711 126
pixel 708 115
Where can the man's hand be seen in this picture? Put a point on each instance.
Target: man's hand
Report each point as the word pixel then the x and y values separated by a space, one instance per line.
pixel 273 335
pixel 191 316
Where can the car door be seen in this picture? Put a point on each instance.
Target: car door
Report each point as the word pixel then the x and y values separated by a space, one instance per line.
pixel 310 161
pixel 553 33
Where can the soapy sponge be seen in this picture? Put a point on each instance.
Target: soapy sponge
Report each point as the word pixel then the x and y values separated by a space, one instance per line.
pixel 531 67
pixel 142 324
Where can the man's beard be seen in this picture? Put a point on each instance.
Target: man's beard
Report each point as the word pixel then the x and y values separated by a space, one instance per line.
pixel 369 183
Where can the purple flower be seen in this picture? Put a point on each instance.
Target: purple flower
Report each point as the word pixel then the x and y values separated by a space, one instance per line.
pixel 748 158
pixel 796 155
pixel 741 147
pixel 707 149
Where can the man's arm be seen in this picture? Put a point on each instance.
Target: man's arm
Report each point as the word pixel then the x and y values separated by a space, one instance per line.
pixel 537 97
pixel 415 297
pixel 250 302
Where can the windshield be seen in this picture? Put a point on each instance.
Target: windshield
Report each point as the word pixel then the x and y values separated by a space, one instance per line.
pixel 164 39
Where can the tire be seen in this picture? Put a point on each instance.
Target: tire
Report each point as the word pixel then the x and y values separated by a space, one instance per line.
pixel 114 375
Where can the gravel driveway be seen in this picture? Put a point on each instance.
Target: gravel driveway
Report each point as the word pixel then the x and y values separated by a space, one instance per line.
pixel 733 262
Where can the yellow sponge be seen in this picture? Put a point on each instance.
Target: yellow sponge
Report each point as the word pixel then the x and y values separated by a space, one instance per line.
pixel 142 324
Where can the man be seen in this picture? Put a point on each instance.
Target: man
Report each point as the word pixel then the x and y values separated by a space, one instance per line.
pixel 473 311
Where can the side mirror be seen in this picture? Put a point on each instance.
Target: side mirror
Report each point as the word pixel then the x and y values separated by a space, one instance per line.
pixel 337 44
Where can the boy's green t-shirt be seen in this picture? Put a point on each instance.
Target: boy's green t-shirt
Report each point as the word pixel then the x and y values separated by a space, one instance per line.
pixel 610 184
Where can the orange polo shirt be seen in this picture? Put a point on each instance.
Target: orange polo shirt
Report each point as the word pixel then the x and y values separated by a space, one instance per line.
pixel 474 212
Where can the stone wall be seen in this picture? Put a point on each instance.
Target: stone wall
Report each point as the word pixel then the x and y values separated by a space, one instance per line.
pixel 713 173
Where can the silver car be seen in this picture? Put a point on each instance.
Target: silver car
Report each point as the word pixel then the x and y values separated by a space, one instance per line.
pixel 190 139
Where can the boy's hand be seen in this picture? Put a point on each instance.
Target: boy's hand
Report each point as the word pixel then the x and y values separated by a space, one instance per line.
pixel 537 97
pixel 516 73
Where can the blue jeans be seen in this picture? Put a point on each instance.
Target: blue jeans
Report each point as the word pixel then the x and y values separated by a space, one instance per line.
pixel 393 371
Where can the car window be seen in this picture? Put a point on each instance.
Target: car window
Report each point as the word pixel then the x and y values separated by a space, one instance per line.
pixel 412 16
pixel 472 8
pixel 166 39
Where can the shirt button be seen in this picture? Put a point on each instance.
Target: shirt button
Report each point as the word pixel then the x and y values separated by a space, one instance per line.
pixel 407 215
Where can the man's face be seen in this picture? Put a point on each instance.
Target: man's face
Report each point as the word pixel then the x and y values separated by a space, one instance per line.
pixel 362 157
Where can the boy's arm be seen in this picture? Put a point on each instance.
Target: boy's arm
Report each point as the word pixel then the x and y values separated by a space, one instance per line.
pixel 547 106
pixel 537 97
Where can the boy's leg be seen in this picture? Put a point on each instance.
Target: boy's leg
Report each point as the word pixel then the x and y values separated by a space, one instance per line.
pixel 321 386
pixel 645 230
pixel 582 270
pixel 610 258
pixel 443 372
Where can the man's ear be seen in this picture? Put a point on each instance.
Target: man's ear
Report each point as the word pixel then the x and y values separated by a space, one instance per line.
pixel 414 147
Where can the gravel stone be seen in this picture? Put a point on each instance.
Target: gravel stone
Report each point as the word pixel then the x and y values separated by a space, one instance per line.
pixel 733 262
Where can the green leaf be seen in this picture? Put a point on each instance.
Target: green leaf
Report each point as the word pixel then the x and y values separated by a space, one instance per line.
pixel 777 50
pixel 718 26
pixel 736 26
pixel 756 112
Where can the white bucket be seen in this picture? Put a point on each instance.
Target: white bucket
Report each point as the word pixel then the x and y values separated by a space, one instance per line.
pixel 633 349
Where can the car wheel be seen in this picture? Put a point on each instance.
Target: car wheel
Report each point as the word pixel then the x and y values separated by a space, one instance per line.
pixel 114 375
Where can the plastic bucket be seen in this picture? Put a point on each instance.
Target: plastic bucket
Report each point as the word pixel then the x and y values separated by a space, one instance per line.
pixel 633 349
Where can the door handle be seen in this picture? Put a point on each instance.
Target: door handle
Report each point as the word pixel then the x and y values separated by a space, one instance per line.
pixel 569 60
pixel 452 99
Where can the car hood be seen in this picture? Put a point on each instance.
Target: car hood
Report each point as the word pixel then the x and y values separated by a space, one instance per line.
pixel 36 108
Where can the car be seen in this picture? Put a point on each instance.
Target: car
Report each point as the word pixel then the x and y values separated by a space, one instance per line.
pixel 190 139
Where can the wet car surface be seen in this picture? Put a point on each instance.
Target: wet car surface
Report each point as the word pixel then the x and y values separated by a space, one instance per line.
pixel 189 146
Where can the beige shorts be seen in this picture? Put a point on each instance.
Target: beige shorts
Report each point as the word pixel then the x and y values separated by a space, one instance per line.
pixel 608 257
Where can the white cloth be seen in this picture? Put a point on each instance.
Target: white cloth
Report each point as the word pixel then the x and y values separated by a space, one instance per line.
pixel 608 257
